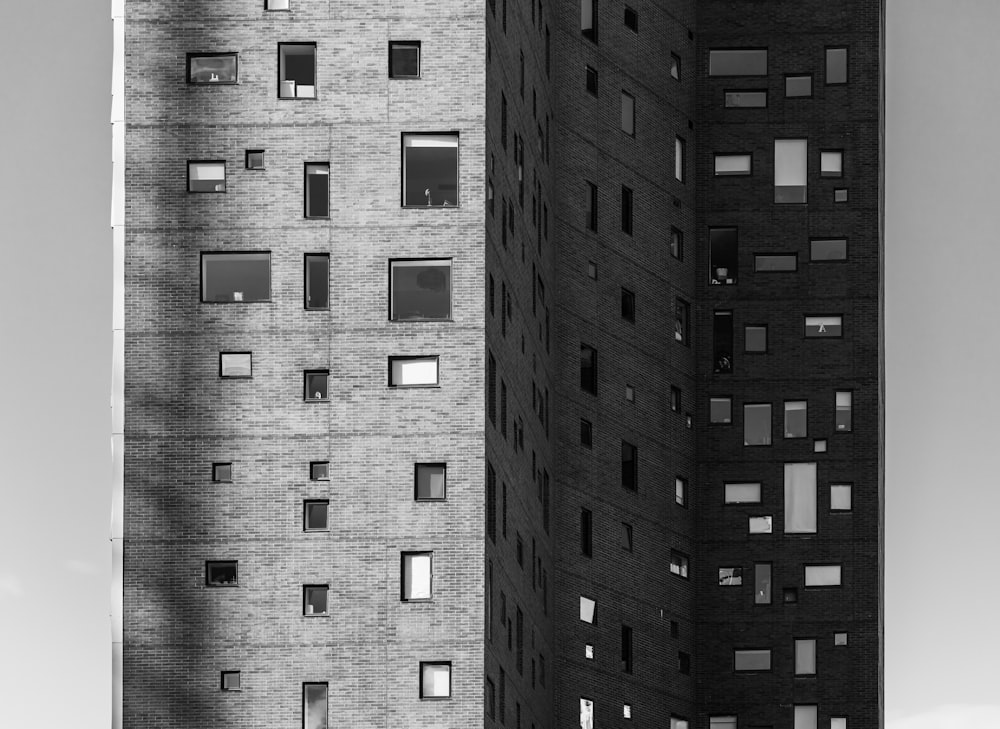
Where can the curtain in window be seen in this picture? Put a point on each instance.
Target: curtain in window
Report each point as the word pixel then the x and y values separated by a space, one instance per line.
pixel 800 498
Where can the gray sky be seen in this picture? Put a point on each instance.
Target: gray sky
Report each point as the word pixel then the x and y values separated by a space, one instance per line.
pixel 943 194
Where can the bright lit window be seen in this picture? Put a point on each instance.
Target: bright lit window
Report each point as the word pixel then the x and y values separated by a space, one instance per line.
pixel 800 498
pixel 235 364
pixel 824 326
pixel 790 170
pixel 588 610
pixel 840 497
pixel 413 371
pixel 206 176
pixel 315 712
pixel 742 493
pixel 416 575
pixel 732 164
pixel 435 680
pixel 822 575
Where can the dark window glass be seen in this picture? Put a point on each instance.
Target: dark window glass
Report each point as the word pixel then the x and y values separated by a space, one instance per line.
pixel 675 66
pixel 834 249
pixel 255 159
pixel 682 319
pixel 591 206
pixel 430 481
pixel 755 338
pixel 798 86
pixel 421 290
pixel 315 516
pixel 626 210
pixel 235 277
pixel 737 62
pixel 588 19
pixel 762 583
pixel 588 369
pixel 722 338
pixel 796 418
pixel 757 424
pixel 631 19
pixel 836 65
pixel 720 410
pixel 430 170
pixel 317 190
pixel 212 68
pixel 746 99
pixel 404 59
pixel 221 574
pixel 586 433
pixel 677 244
pixel 626 649
pixel 626 537
pixel 630 466
pixel 317 281
pixel 316 384
pixel 297 70
pixel 586 532
pixel 592 80
pixel 314 599
pixel 628 305
pixel 675 399
pixel 319 470
pixel 775 262
pixel 723 252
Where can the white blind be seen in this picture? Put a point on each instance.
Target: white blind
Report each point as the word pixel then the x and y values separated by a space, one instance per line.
pixel 417 576
pixel 800 498
pixel 732 164
pixel 789 162
pixel 207 170
pixel 415 371
pixel 430 140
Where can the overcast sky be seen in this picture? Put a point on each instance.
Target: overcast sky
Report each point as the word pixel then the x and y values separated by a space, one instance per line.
pixel 943 496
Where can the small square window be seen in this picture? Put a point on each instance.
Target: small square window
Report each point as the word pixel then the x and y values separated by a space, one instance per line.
pixel 315 516
pixel 420 290
pixel 430 481
pixel 235 364
pixel 317 190
pixel 680 491
pixel 838 722
pixel 790 595
pixel 592 80
pixel 840 638
pixel 235 277
pixel 675 66
pixel 755 338
pixel 404 59
pixel 413 371
pixel 677 244
pixel 840 195
pixel 297 70
pixel 798 86
pixel 586 433
pixel 746 99
pixel 819 445
pixel 836 66
pixel 222 472
pixel 840 497
pixel 230 681
pixel 831 163
pixel 317 281
pixel 430 170
pixel 317 385
pixel 629 393
pixel 417 576
pixel 760 525
pixel 631 19
pixel 678 563
pixel 742 493
pixel 254 159
pixel 221 574
pixel 206 176
pixel 824 326
pixel 730 576
pixel 628 305
pixel 435 680
pixel 314 600
pixel 588 610
pixel 212 68
pixel 315 705
pixel 626 536
pixel 319 470
pixel 588 651
pixel 628 113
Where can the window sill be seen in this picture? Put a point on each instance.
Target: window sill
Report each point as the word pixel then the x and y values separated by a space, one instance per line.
pixel 313 531
pixel 431 207
pixel 414 387
pixel 420 321
pixel 315 615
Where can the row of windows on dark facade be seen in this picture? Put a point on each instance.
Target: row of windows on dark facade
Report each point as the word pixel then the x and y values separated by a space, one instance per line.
pixel 429 484
pixel 513 623
pixel 403 371
pixel 803 716
pixel 757 417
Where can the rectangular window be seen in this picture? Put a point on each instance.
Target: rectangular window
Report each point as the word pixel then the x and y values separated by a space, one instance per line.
pixel 677 244
pixel 838 722
pixel 796 418
pixel 317 385
pixel 678 563
pixel 586 714
pixel 631 19
pixel 828 249
pixel 626 210
pixel 757 424
pixel 722 722
pixel 626 649
pixel 235 277
pixel 319 470
pixel 420 290
pixel 630 466
pixel 416 575
pixel 212 68
pixel 435 680
pixel 626 537
pixel 824 326
pixel 682 319
pixel 628 113
pixel 723 245
pixel 254 159
pixel 586 533
pixel 831 163
pixel 733 164
pixel 678 723
pixel 730 576
pixel 800 498
pixel 430 170
pixel 314 600
pixel 746 99
pixel 840 497
pixel 844 409
pixel 592 80
pixel 297 70
pixel 221 574
pixel 680 491
pixel 680 164
pixel 222 472
pixel 230 681
pixel 591 206
pixel 790 170
pixel 742 493
pixel 836 66
pixel 804 717
pixel 683 663
pixel 755 338
pixel 430 481
pixel 491 699
pixel 775 262
pixel 235 364
pixel 317 278
pixel 586 433
pixel 822 575
pixel 738 62
pixel 762 583
pixel 404 59
pixel 628 305
pixel 491 387
pixel 588 19
pixel 799 86
pixel 840 638
pixel 805 657
pixel 588 369
pixel 413 371
pixel 317 192
pixel 206 176
pixel 840 195
pixel 722 342
pixel 675 399
pixel 491 508
pixel 588 610
pixel 276 5
pixel 760 525
pixel 675 66
pixel 757 659
pixel 315 516
pixel 720 410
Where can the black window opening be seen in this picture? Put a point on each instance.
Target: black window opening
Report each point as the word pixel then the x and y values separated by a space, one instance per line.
pixel 430 481
pixel 221 574
pixel 627 653
pixel 404 59
pixel 722 341
pixel 317 193
pixel 314 599
pixel 212 68
pixel 297 70
pixel 206 176
pixel 586 532
pixel 420 290
pixel 235 277
pixel 631 19
pixel 724 255
pixel 628 305
pixel 316 385
pixel 222 472
pixel 626 210
pixel 254 159
pixel 630 466
pixel 430 170
pixel 588 19
pixel 586 433
pixel 317 278
pixel 591 207
pixel 592 80
pixel 588 369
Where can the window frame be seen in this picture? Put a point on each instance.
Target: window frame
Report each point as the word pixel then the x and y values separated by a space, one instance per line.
pixel 793 256
pixel 720 239
pixel 807 317
pixel 634 24
pixel 680 159
pixel 629 478
pixel 770 435
pixel 832 175
pixel 222 681
pixel 628 210
pixel 458 168
pixel 325 589
pixel 590 386
pixel 840 575
pixel 416 481
pixel 805 177
pixel 593 610
pixel 313 470
pixel 216 468
pixel 190 56
pixel 222 371
pixel 219 254
pixel 590 33
pixel 849 485
pixel 246 160
pixel 445 697
pixel 305 385
pixel 306 189
pixel 738 50
pixel 682 562
pixel 436 262
pixel 726 501
pixel 747 326
pixel 414 358
pixel 813 259
pixel 628 305
pixel 836 412
pixel 225 176
pixel 402 575
pixel 586 433
pixel 795 657
pixel 760 651
pixel 792 76
pixel 592 74
pixel 315 84
pixel 401 44
pixel 305 705
pixel 209 563
pixel 677 243
pixel 727 93
pixel 681 491
pixel 716 156
pixel 306 281
pixel 682 335
pixel 628 100
pixel 675 66
pixel 720 399
pixel 784 422
pixel 826 65
pixel 729 580
pixel 306 504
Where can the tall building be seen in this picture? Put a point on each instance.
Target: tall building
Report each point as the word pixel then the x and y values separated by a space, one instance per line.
pixel 508 365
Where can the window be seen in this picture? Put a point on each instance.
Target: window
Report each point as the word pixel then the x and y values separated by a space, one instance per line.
pixel 755 338
pixel 588 610
pixel 838 722
pixel 722 722
pixel 221 574
pixel 628 113
pixel 677 244
pixel 733 164
pixel 317 281
pixel 762 583
pixel 235 364
pixel 790 170
pixel 631 19
pixel 588 19
pixel 491 699
pixel 317 385
pixel 435 680
pixel 314 600
pixel 836 66
pixel 844 408
pixel 800 498
pixel 840 195
pixel 678 563
pixel 588 651
pixel 805 657
pixel 760 525
pixel 746 99
pixel 677 723
pixel 503 119
pixel 297 70
pixel 420 290
pixel 626 536
pixel 675 66
pixel 254 159
pixel 592 209
pixel 592 80
pixel 738 62
pixel 206 176
pixel 804 717
pixel 626 210
pixel 840 638
pixel 230 681
pixel 775 262
pixel 586 433
pixel 758 659
pixel 831 163
pixel 212 68
pixel 723 254
pixel 840 497
pixel 222 472
pixel 742 493
pixel 824 326
pixel 790 595
pixel 315 516
pixel 628 305
pixel 822 575
pixel 675 399
pixel 319 470
pixel 416 576
pixel 404 59
pixel 430 170
pixel 828 249
pixel 627 711
pixel 680 147
pixel 680 491
pixel 730 576
pixel 491 387
pixel 317 192
pixel 798 86
pixel 277 5
pixel 588 369
pixel 796 418
pixel 430 481
pixel 720 410
pixel 626 649
pixel 683 663
pixel 819 445
pixel 586 533
pixel 491 507
pixel 682 319
pixel 630 466
pixel 722 342
pixel 413 371
pixel 757 424
pixel 586 714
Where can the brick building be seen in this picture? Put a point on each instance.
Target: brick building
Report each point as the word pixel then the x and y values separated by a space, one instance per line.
pixel 507 365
